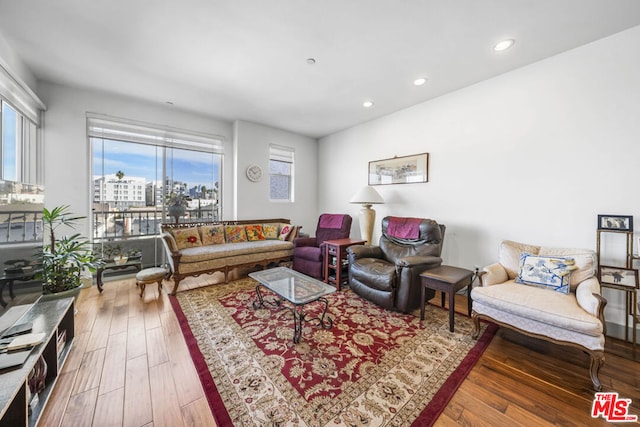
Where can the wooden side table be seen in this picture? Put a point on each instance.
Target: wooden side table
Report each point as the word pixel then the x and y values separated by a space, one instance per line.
pixel 7 279
pixel 335 260
pixel 449 279
pixel 137 264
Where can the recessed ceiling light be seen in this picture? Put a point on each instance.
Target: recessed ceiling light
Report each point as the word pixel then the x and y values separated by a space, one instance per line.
pixel 367 104
pixel 420 81
pixel 311 61
pixel 503 45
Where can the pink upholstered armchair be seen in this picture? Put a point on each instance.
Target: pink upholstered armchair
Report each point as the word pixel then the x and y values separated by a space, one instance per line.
pixel 308 252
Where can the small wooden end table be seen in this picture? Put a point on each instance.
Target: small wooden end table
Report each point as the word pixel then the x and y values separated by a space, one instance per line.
pixel 7 279
pixel 137 264
pixel 335 259
pixel 449 279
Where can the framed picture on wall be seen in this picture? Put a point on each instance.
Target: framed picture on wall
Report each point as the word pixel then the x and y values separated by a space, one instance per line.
pixel 615 222
pixel 618 277
pixel 399 170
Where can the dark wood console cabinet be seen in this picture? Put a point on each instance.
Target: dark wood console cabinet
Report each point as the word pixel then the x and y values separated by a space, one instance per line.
pixel 55 319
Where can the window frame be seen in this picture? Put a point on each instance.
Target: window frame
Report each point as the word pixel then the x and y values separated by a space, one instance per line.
pixel 164 140
pixel 282 154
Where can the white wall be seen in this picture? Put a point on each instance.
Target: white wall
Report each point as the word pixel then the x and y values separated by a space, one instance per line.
pixel 533 155
pixel 66 147
pixel 252 143
pixel 68 162
pixel 13 63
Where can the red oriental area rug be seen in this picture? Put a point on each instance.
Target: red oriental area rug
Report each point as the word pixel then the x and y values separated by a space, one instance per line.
pixel 373 367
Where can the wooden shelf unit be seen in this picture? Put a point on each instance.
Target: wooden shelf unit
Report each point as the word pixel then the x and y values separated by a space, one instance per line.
pixel 336 264
pixel 54 318
pixel 631 304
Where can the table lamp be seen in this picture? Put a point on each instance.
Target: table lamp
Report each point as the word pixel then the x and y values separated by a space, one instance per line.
pixel 367 196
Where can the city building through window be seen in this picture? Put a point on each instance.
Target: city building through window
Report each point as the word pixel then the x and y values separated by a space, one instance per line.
pixel 139 171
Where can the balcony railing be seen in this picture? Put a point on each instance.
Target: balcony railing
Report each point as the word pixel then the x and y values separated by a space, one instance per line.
pixel 114 225
pixel 20 226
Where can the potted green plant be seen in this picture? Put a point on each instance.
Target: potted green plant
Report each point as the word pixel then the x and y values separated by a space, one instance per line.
pixel 63 259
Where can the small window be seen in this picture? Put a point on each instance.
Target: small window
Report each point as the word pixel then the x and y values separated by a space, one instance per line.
pixel 281 173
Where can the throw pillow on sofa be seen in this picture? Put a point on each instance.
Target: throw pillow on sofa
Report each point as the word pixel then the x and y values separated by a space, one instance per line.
pixel 187 238
pixel 235 234
pixel 254 232
pixel 212 234
pixel 546 272
pixel 285 231
pixel 270 231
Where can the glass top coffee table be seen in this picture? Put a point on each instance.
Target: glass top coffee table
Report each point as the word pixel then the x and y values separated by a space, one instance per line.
pixel 297 289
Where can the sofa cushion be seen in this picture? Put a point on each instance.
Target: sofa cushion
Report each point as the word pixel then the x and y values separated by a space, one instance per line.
pixel 509 256
pixel 254 232
pixel 551 308
pixel 546 272
pixel 230 250
pixel 285 231
pixel 212 234
pixel 234 233
pixel 187 237
pixel 585 261
pixel 270 231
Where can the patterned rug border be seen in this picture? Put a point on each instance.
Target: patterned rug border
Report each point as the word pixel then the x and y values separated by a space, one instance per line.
pixel 426 418
pixel 216 403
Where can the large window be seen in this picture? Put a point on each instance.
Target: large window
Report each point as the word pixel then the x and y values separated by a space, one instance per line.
pixel 18 151
pixel 140 169
pixel 21 190
pixel 281 173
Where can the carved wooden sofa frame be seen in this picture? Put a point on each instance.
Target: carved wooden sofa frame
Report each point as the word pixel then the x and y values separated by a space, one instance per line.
pixel 224 257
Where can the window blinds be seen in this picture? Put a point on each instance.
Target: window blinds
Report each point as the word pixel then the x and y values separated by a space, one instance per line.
pixel 281 154
pixel 106 127
pixel 20 96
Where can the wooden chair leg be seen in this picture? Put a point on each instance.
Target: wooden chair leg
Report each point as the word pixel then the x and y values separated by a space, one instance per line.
pixel 597 360
pixel 476 325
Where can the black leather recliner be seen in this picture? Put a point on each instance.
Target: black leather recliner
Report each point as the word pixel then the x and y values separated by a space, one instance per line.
pixel 389 274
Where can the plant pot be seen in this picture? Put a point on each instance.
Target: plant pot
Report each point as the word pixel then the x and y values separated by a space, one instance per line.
pixel 64 294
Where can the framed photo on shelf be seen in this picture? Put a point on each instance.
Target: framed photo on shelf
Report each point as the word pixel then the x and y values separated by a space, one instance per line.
pixel 400 170
pixel 615 222
pixel 618 277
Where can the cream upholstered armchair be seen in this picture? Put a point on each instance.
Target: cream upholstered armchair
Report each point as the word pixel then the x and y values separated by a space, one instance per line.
pixel 570 311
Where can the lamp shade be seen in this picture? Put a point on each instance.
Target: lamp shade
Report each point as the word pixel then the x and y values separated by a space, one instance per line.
pixel 367 196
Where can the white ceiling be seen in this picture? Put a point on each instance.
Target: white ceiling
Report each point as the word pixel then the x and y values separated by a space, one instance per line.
pixel 246 59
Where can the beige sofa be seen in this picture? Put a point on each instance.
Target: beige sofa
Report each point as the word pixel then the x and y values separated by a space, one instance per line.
pixel 207 247
pixel 574 319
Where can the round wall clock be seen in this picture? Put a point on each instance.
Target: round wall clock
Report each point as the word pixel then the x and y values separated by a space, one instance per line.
pixel 254 173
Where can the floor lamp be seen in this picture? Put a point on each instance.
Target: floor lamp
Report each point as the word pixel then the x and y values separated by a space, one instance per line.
pixel 367 196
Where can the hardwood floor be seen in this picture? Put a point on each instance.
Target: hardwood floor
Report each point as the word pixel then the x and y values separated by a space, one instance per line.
pixel 130 366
